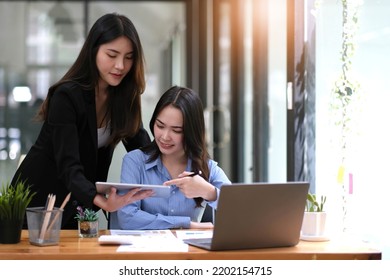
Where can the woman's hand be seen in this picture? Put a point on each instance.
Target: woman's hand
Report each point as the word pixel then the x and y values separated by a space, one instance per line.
pixel 194 186
pixel 115 201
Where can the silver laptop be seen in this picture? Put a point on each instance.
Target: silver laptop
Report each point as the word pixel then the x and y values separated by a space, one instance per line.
pixel 257 215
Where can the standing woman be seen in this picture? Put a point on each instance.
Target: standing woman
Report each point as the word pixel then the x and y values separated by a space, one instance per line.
pixel 96 105
pixel 178 158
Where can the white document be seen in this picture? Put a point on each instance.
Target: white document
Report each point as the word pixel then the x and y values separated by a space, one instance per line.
pixel 151 241
pixel 115 239
pixel 193 234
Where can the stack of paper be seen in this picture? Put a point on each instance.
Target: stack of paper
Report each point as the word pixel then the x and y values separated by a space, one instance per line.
pixel 151 241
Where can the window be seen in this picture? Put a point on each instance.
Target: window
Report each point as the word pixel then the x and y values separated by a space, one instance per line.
pixel 367 150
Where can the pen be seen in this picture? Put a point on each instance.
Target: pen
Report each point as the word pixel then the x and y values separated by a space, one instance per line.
pixel 195 173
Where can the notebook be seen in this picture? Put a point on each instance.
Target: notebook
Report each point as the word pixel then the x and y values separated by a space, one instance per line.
pixel 257 215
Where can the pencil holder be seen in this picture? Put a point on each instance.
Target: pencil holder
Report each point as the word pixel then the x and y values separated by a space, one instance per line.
pixel 44 226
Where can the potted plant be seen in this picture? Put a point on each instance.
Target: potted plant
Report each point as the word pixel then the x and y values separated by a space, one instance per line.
pixel 312 205
pixel 14 200
pixel 314 219
pixel 88 222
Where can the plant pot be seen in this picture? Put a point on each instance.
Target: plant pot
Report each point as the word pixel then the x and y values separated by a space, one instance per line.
pixel 10 231
pixel 314 224
pixel 88 229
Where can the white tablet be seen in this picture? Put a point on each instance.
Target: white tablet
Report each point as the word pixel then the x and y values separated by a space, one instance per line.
pixel 159 190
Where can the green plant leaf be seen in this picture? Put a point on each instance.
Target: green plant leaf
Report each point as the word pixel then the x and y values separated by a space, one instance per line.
pixel 312 204
pixel 14 200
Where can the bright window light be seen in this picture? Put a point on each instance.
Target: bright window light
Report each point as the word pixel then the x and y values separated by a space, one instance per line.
pixel 21 94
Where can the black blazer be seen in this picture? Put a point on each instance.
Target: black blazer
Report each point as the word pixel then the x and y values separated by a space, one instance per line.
pixel 65 157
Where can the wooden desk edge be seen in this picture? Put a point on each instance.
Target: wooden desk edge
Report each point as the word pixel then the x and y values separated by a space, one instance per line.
pixel 67 250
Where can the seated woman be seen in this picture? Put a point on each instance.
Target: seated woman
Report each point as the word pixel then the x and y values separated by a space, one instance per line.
pixel 178 158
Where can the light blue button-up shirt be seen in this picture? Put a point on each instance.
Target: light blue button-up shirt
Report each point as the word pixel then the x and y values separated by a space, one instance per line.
pixel 160 213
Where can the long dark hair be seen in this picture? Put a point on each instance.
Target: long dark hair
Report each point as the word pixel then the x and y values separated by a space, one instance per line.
pixel 195 146
pixel 124 100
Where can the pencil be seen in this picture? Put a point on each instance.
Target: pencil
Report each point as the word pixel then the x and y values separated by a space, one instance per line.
pixel 58 212
pixel 52 199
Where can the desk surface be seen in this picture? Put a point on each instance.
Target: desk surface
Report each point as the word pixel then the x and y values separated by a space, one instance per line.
pixel 71 247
